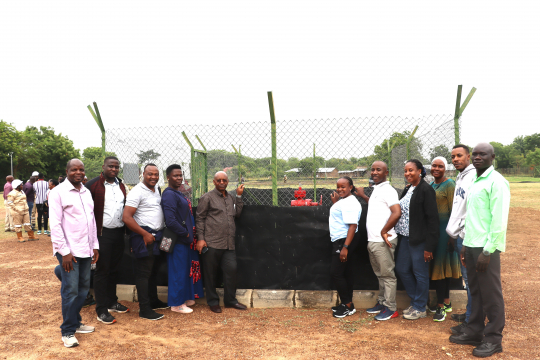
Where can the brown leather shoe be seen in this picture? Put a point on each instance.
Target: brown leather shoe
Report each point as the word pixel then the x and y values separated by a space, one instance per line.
pixel 238 306
pixel 216 309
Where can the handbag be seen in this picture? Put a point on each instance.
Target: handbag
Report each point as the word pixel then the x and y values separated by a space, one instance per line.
pixel 170 237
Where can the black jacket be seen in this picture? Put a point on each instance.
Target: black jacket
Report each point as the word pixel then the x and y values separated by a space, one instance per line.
pixel 423 216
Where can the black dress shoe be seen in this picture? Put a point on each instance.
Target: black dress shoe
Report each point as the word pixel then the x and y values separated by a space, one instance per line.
pixel 465 339
pixel 458 317
pixel 487 349
pixel 456 330
pixel 216 309
pixel 237 306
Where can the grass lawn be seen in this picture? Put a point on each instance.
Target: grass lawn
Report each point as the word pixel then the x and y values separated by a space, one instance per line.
pixel 518 179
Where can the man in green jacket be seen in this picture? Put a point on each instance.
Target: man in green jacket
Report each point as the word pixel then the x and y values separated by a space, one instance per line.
pixel 488 204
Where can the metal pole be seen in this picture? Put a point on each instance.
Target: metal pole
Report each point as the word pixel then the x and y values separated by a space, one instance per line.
pixel 314 175
pixel 11 155
pixel 273 163
pixel 97 118
pixel 409 140
pixel 457 115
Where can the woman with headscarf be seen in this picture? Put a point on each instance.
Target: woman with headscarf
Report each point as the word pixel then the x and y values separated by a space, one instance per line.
pixel 418 230
pixel 18 207
pixel 445 264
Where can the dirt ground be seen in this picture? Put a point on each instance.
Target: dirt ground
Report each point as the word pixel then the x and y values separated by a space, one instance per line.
pixel 30 316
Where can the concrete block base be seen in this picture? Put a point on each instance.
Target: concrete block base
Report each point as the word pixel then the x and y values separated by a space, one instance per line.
pixel 362 299
pixel 273 298
pixel 315 299
pixel 126 292
pixel 365 299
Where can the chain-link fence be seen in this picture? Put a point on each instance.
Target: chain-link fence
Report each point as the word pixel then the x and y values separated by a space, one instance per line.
pixel 310 153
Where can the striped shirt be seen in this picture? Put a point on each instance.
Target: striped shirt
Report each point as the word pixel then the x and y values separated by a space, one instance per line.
pixel 41 187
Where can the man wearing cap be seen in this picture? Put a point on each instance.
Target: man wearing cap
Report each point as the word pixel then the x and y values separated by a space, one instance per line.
pixel 7 189
pixel 18 207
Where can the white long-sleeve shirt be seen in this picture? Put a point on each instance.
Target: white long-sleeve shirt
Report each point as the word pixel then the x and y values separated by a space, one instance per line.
pixel 456 223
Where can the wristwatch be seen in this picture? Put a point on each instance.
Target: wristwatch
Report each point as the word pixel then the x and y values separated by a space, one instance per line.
pixel 346 246
pixel 486 253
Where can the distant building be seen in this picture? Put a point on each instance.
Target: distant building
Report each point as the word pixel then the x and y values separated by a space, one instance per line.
pixel 327 172
pixel 358 172
pixel 293 171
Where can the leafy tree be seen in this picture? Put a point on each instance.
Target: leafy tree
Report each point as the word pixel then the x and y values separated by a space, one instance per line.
pixel 520 145
pixel 441 150
pixel 10 139
pixel 147 156
pixel 504 155
pixel 93 160
pixel 532 142
pixel 533 159
pixel 44 151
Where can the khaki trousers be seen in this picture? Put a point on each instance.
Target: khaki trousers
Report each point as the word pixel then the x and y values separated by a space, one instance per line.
pixel 20 220
pixel 9 219
pixel 383 264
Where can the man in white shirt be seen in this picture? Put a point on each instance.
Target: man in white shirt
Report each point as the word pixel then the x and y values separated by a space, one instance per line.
pixel 383 213
pixel 109 194
pixel 144 217
pixel 40 188
pixel 461 158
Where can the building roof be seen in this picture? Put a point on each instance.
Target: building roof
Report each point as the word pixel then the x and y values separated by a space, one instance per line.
pixel 326 170
pixel 293 170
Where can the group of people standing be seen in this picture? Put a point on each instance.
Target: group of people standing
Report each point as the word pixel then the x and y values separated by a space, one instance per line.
pixel 89 223
pixel 21 199
pixel 436 231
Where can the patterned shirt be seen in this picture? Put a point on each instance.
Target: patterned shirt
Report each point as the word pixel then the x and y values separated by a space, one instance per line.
pixel 402 226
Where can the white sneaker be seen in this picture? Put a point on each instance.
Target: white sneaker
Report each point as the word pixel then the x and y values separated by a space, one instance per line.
pixel 182 309
pixel 408 310
pixel 70 341
pixel 85 329
pixel 415 315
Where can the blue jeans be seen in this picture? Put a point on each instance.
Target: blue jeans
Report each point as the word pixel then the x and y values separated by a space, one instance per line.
pixel 30 208
pixel 413 272
pixel 75 285
pixel 459 245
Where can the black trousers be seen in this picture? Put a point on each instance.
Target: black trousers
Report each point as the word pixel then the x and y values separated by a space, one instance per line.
pixel 211 261
pixel 42 216
pixel 442 287
pixel 111 250
pixel 146 269
pixel 343 275
pixel 487 297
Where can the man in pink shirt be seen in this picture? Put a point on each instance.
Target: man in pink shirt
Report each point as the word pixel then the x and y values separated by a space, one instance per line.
pixel 7 190
pixel 75 245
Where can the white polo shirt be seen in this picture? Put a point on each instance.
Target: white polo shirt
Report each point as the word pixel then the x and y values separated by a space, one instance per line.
pixel 343 213
pixel 383 196
pixel 148 204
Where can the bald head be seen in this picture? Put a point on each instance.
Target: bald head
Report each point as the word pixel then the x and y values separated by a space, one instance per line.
pixel 486 147
pixel 75 172
pixel 9 178
pixel 482 157
pixel 221 180
pixel 220 174
pixel 73 162
pixel 379 171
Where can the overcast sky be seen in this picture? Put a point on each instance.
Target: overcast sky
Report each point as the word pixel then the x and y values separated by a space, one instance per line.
pixel 171 62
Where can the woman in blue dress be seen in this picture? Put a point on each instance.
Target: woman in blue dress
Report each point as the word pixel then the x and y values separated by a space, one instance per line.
pixel 185 281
